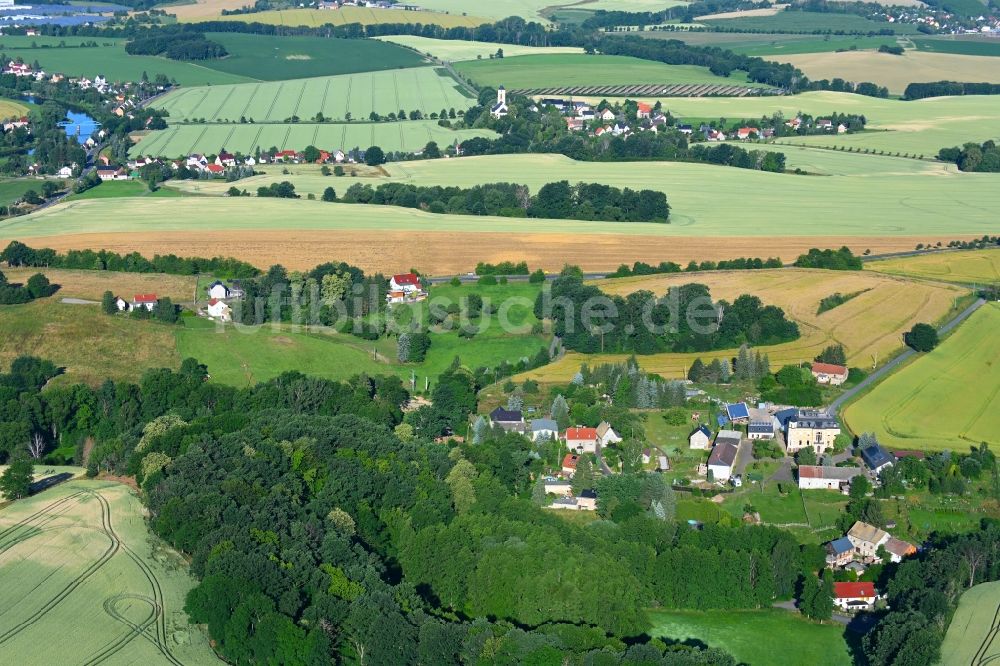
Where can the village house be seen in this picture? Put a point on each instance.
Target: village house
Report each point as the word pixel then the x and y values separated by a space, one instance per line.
pixel 569 462
pixel 65 172
pixel 122 304
pixel 683 129
pixel 853 597
pixel 499 110
pixel 732 437
pixel 839 552
pixel 10 125
pixel 217 309
pixel 761 428
pixel 745 133
pixel 219 290
pixel 147 301
pixel 112 173
pixel 824 124
pixel 721 460
pixel 810 427
pixel 607 115
pixel 225 159
pixel 587 500
pixel 405 288
pixel 828 373
pixel 898 549
pixel 877 458
pixel 509 420
pixel 866 539
pixel 581 440
pixel 544 429
pixel 738 412
pixel 574 124
pixel 215 169
pixel 287 156
pixel 606 435
pixel 700 438
pixel 560 487
pixel 813 477
pixel 643 110
pixel 647 455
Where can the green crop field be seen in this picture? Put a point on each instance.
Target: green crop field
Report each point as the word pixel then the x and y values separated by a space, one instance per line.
pixel 960 44
pixel 946 399
pixel 278 58
pixel 972 635
pixel 237 355
pixel 419 88
pixel 314 18
pixel 455 50
pixel 795 21
pixel 549 71
pixel 12 189
pixel 965 266
pixel 411 135
pixel 81 575
pixel 110 60
pixel 758 638
pixel 706 201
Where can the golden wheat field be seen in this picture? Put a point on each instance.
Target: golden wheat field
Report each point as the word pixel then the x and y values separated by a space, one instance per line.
pixel 869 325
pixel 971 266
pixel 91 285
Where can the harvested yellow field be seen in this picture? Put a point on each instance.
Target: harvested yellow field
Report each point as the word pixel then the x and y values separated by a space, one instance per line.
pixel 765 11
pixel 314 18
pixel 892 71
pixel 868 326
pixel 967 266
pixel 204 9
pixel 11 109
pixel 91 285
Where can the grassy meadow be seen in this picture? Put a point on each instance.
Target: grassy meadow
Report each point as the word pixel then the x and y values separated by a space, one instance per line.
pixel 946 399
pixel 455 50
pixel 758 638
pixel 981 45
pixel 11 109
pixel 12 189
pixel 426 89
pixel 79 557
pixel 971 637
pixel 411 135
pixel 964 266
pixel 559 70
pixel 796 21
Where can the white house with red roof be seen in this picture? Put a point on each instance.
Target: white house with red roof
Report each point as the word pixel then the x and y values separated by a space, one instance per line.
pixel 225 159
pixel 217 309
pixel 829 373
pixel 215 169
pixel 405 288
pixel 581 440
pixel 854 596
pixel 569 463
pixel 147 301
pixel 745 133
pixel 643 110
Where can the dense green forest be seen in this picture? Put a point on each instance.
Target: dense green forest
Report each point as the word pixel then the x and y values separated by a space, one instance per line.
pixel 685 319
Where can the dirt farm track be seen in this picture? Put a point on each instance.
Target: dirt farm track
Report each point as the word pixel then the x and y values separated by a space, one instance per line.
pixel 446 253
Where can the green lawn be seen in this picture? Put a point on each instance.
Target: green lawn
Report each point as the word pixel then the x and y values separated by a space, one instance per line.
pixel 78 567
pixel 758 638
pixel 116 189
pixel 561 70
pixel 946 399
pixel 971 637
pixel 12 189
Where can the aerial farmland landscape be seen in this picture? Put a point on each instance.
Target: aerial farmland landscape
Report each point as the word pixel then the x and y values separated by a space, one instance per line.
pixel 548 332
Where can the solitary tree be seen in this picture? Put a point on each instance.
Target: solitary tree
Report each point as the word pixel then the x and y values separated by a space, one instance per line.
pixel 922 337
pixel 108 304
pixel 374 156
pixel 15 482
pixel 329 194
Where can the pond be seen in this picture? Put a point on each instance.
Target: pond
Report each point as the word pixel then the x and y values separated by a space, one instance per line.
pixel 77 123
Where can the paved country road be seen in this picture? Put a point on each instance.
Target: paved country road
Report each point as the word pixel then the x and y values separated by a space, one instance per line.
pixel 894 363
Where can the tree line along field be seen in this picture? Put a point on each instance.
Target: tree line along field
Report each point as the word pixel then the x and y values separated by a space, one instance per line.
pixel 419 88
pixel 764 45
pixel 972 634
pixel 79 557
pixel 920 128
pixel 868 326
pixel 411 135
pixel 314 18
pixel 546 71
pixel 455 50
pixel 964 266
pixel 946 399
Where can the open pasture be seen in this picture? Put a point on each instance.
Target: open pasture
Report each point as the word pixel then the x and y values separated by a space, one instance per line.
pixel 419 88
pixel 972 634
pixel 314 18
pixel 454 50
pixel 411 135
pixel 740 633
pixel 867 326
pixel 272 58
pixel 91 345
pixel 110 60
pixel 980 45
pixel 892 71
pixel 82 576
pixel 965 266
pixel 91 285
pixel 796 21
pixel 948 398
pixel 548 71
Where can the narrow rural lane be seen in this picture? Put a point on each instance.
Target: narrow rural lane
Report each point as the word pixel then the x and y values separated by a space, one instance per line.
pixel 894 363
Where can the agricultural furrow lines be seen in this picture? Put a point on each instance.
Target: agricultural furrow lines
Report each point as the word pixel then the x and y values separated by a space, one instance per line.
pixel 44 510
pixel 196 141
pixel 980 656
pixel 347 97
pixel 225 142
pixel 326 91
pixel 251 98
pixel 225 101
pixel 204 96
pixel 315 138
pixel 284 141
pixel 298 101
pixel 343 139
pixel 135 629
pixel 277 96
pixel 395 89
pixel 415 85
pixel 256 138
pixel 93 568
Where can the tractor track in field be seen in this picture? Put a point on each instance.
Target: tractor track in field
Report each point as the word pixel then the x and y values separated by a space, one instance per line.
pixel 89 571
pixel 48 508
pixel 135 629
pixel 980 657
